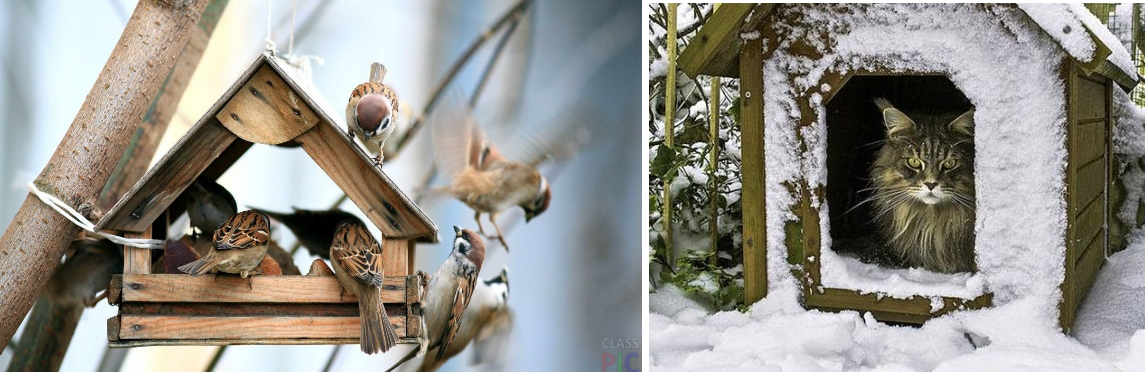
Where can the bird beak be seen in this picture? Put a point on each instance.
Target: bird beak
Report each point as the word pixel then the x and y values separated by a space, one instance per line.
pixel 457 230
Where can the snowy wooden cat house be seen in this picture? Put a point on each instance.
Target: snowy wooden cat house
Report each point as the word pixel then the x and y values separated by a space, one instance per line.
pixel 1040 79
pixel 267 105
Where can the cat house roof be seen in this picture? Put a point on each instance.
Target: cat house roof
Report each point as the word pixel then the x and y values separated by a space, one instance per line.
pixel 269 104
pixel 714 50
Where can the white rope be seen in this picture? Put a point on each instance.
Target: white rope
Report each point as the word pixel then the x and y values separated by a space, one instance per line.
pixel 271 47
pixel 79 220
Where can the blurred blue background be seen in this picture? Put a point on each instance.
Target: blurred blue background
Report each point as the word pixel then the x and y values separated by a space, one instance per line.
pixel 575 271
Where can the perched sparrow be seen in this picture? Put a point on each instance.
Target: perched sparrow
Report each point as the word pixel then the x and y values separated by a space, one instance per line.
pixel 487 322
pixel 85 273
pixel 239 246
pixel 448 293
pixel 314 229
pixel 481 177
pixel 357 260
pixel 209 205
pixel 373 110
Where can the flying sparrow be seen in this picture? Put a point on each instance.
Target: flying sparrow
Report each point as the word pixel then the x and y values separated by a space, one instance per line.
pixel 209 205
pixel 357 260
pixel 486 323
pixel 372 111
pixel 448 293
pixel 85 273
pixel 313 228
pixel 482 178
pixel 238 246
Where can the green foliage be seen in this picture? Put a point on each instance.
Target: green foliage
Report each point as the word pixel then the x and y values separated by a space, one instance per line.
pixel 714 275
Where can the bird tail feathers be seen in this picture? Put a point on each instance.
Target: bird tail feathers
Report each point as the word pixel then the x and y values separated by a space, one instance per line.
pixel 200 266
pixel 377 332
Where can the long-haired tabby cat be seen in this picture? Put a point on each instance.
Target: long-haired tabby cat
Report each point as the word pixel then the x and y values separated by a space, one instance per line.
pixel 923 182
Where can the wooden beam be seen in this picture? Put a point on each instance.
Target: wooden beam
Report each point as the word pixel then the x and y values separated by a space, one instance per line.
pixel 137 260
pixel 162 184
pixel 135 327
pixel 753 171
pixel 267 110
pixel 715 50
pixel 395 253
pixel 76 173
pixel 258 289
pixel 135 161
pixel 363 183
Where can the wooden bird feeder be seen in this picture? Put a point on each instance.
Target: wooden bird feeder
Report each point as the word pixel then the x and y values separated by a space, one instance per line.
pixel 267 105
pixel 836 112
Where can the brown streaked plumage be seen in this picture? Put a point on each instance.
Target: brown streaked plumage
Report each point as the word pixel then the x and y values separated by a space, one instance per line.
pixel 238 246
pixel 449 291
pixel 482 178
pixel 486 324
pixel 357 260
pixel 372 111
pixel 314 229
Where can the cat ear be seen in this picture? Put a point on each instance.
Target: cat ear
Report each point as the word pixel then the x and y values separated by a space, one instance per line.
pixel 964 123
pixel 896 121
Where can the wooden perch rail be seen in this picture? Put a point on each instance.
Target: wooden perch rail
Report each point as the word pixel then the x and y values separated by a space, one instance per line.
pixel 34 242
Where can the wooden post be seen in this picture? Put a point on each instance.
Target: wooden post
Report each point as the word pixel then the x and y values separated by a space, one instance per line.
pixel 34 242
pixel 135 161
pixel 751 132
pixel 43 348
pixel 714 142
pixel 669 127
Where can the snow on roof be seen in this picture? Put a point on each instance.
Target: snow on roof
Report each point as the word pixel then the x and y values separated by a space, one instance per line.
pixel 1063 22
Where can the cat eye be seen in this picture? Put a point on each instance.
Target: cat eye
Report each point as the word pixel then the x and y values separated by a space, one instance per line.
pixel 949 164
pixel 914 163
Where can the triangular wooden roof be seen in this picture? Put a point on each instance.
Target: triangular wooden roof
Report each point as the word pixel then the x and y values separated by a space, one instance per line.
pixel 715 48
pixel 268 106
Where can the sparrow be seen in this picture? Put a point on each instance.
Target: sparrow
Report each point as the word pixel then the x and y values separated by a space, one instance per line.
pixel 486 323
pixel 448 293
pixel 357 260
pixel 372 111
pixel 314 229
pixel 86 273
pixel 482 178
pixel 238 246
pixel 209 205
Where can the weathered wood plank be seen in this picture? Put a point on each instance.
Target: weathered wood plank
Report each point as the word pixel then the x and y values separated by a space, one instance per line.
pixel 119 344
pixel 137 260
pixel 1090 102
pixel 1087 139
pixel 394 254
pixel 707 54
pixel 229 288
pixel 1088 183
pixel 150 197
pixel 1090 222
pixel 754 171
pixel 913 310
pixel 235 309
pixel 363 184
pixel 1068 73
pixel 266 110
pixel 135 327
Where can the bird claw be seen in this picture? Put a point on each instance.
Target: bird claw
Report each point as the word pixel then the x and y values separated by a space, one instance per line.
pixel 378 159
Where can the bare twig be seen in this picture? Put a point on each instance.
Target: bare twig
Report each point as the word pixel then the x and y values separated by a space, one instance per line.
pixel 215 359
pixel 332 358
pixel 512 14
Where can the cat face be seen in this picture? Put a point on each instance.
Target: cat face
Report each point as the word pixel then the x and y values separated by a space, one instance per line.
pixel 929 161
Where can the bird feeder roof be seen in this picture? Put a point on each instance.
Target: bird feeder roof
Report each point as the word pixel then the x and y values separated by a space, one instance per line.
pixel 270 105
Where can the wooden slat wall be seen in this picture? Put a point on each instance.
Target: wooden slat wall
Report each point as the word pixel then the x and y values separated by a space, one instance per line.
pixel 1087 179
pixel 230 327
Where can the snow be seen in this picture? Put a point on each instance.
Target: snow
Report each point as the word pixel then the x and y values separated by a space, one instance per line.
pixel 1065 22
pixel 774 335
pixel 1020 135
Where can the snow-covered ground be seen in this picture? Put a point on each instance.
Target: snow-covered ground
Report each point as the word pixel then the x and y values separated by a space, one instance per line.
pixel 777 334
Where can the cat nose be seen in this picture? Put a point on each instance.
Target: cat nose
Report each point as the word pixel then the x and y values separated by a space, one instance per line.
pixel 930 185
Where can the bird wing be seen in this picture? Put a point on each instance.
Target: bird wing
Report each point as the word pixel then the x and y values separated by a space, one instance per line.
pixel 558 142
pixel 461 299
pixel 491 346
pixel 242 231
pixel 456 137
pixel 360 255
